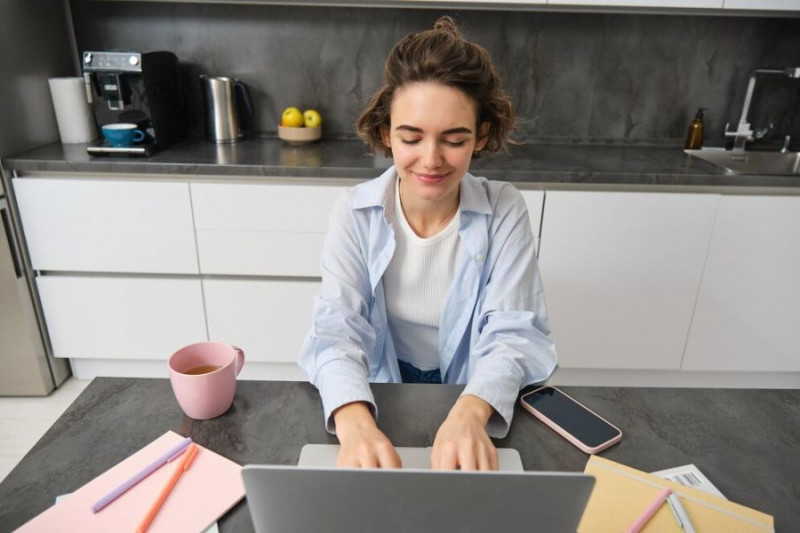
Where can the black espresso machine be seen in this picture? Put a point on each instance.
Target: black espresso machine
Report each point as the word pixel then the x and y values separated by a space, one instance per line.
pixel 138 88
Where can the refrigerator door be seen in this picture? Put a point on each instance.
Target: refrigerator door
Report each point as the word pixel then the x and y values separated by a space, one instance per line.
pixel 25 367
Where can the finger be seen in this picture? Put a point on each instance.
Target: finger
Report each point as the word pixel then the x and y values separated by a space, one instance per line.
pixel 494 460
pixel 436 456
pixel 467 459
pixel 346 460
pixel 487 458
pixel 387 456
pixel 368 459
pixel 448 458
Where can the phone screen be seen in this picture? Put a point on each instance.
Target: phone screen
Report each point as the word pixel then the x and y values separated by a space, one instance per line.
pixel 571 416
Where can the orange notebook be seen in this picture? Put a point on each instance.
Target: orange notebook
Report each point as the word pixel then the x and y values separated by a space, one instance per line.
pixel 621 493
pixel 204 492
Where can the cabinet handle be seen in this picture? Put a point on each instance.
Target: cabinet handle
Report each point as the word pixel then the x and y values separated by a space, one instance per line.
pixel 10 240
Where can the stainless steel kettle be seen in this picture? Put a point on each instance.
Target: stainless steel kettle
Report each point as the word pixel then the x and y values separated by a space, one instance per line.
pixel 223 116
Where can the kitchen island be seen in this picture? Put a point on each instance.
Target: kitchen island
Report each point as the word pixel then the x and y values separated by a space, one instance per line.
pixel 747 442
pixel 638 246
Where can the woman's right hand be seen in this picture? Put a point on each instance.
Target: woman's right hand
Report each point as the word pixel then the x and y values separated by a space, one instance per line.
pixel 363 445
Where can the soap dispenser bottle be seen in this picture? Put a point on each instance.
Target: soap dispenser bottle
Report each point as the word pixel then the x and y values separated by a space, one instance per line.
pixel 694 139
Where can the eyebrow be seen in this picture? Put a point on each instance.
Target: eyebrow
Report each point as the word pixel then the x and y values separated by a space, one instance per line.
pixel 445 132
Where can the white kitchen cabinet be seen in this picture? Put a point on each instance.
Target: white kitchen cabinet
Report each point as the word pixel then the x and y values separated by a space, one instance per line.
pixel 261 229
pixel 92 317
pixel 748 308
pixel 764 5
pixel 268 319
pixel 641 3
pixel 107 226
pixel 621 271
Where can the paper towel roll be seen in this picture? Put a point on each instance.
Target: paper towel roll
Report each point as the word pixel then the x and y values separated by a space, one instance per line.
pixel 73 112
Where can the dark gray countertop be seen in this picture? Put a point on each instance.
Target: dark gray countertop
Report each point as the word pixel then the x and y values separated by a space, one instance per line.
pixel 529 164
pixel 746 441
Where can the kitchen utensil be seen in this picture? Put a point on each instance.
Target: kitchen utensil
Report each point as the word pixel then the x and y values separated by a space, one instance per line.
pixel 223 113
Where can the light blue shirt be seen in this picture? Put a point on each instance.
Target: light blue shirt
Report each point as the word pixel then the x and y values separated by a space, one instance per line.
pixel 493 334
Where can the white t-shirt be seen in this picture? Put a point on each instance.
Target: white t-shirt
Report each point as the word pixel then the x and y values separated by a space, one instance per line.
pixel 416 283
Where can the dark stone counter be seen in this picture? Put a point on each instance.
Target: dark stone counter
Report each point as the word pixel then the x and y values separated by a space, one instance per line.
pixel 746 441
pixel 530 165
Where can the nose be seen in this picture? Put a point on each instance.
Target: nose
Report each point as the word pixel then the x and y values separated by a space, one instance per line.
pixel 431 156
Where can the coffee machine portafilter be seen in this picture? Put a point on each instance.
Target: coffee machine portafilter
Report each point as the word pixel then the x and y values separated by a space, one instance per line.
pixel 140 88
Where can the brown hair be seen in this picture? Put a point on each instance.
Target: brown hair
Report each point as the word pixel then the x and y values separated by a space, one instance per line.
pixel 441 55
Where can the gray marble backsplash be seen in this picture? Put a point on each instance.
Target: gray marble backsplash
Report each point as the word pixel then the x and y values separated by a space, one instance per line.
pixel 574 77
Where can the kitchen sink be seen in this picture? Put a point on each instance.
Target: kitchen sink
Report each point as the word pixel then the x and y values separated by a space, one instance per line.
pixel 751 162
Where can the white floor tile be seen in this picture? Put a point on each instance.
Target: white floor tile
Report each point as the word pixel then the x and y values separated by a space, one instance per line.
pixel 7 464
pixel 19 436
pixel 23 421
pixel 52 406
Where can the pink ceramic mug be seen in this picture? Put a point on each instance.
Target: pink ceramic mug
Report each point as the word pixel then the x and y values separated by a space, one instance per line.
pixel 203 377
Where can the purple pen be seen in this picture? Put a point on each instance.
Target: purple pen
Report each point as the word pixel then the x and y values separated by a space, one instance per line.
pixel 173 452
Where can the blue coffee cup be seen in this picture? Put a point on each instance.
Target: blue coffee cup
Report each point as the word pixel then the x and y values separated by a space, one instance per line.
pixel 123 134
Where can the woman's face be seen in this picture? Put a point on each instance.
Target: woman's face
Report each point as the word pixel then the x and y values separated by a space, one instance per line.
pixel 432 136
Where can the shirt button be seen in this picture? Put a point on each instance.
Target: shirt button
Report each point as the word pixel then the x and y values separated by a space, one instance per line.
pixel 479 257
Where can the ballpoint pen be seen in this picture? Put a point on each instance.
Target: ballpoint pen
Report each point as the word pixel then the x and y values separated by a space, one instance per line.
pixel 680 513
pixel 182 467
pixel 648 513
pixel 146 471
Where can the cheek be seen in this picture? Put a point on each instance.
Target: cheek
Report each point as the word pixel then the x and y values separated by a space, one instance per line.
pixel 400 150
pixel 462 156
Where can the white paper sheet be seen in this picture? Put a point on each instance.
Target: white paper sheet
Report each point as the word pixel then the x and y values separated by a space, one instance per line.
pixel 690 476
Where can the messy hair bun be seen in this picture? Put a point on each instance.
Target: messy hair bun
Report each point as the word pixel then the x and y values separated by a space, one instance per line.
pixel 446 23
pixel 441 55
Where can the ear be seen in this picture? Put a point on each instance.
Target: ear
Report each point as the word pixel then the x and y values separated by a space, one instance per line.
pixel 385 136
pixel 483 137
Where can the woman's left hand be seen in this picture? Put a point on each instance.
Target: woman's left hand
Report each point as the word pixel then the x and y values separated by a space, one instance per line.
pixel 462 441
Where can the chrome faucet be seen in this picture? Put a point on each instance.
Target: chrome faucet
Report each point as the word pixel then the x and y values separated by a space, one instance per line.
pixel 786 141
pixel 744 132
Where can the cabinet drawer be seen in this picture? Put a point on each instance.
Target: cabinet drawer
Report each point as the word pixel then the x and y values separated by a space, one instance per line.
pixel 263 207
pixel 267 319
pixel 261 229
pixel 260 253
pixel 118 318
pixel 107 226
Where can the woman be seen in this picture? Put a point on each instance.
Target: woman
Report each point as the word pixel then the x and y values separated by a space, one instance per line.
pixel 428 273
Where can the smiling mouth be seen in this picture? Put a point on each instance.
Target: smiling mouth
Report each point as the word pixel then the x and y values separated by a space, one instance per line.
pixel 431 178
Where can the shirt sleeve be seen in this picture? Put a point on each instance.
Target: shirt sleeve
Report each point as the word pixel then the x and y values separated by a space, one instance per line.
pixel 512 349
pixel 334 353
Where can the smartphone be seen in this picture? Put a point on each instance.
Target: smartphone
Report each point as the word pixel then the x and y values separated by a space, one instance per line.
pixel 579 425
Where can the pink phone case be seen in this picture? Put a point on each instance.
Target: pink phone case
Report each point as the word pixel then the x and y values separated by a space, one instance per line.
pixel 567 435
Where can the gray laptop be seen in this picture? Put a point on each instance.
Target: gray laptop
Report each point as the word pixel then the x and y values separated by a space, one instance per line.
pixel 301 499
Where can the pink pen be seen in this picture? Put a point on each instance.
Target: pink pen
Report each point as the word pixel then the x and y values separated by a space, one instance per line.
pixel 649 512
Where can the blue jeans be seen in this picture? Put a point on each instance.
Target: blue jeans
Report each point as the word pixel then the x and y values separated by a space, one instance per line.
pixel 412 374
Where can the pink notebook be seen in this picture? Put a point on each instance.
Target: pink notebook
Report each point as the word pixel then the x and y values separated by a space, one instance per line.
pixel 206 491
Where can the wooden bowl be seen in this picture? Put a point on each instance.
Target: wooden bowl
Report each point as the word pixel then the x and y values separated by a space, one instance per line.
pixel 300 135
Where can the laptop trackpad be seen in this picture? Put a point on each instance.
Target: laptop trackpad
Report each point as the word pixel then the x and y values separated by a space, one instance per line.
pixel 324 455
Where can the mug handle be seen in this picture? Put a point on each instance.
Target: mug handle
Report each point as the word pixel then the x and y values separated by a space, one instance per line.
pixel 139 136
pixel 239 359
